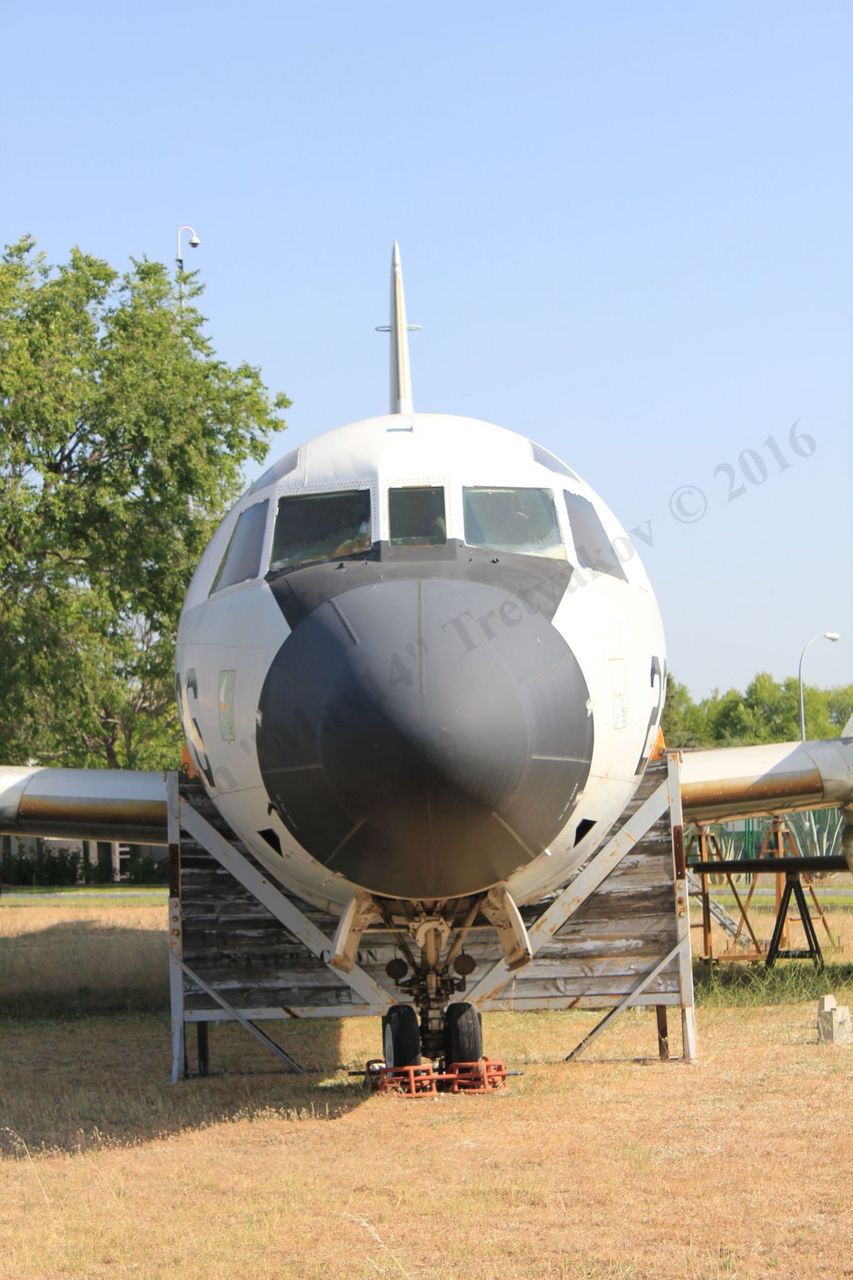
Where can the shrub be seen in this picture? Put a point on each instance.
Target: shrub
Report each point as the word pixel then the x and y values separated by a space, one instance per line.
pixel 35 865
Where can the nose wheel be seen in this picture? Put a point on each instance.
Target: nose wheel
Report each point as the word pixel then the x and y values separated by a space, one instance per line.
pixel 464 1034
pixel 401 1037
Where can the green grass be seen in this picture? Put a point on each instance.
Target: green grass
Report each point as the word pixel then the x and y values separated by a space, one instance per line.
pixel 788 982
pixel 84 895
pixel 837 901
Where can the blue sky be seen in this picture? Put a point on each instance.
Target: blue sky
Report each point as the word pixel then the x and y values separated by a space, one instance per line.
pixel 625 228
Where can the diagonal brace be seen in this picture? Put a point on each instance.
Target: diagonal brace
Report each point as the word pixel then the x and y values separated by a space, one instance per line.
pixel 625 1002
pixel 585 883
pixel 260 1036
pixel 278 904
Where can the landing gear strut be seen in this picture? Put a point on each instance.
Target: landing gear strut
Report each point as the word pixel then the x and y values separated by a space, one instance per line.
pixel 448 1031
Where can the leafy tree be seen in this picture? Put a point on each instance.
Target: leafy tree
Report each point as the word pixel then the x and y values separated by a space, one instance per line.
pixel 768 711
pixel 122 441
pixel 684 723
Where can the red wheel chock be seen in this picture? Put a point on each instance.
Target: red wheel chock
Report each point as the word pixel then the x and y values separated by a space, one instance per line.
pixel 424 1081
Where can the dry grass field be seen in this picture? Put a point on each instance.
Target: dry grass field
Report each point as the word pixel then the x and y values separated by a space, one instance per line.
pixel 614 1168
pixel 82 955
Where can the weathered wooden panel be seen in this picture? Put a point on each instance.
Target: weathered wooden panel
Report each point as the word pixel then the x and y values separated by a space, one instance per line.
pixel 258 1013
pixel 597 956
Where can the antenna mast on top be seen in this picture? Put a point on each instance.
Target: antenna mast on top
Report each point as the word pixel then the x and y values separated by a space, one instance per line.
pixel 401 372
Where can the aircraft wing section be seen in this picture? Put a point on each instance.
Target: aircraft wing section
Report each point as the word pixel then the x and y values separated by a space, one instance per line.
pixel 717 784
pixel 738 782
pixel 87 804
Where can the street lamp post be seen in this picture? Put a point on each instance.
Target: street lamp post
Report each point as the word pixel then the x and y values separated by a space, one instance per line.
pixel 820 635
pixel 179 255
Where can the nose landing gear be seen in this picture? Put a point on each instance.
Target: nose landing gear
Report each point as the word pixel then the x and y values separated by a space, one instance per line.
pixel 448 1033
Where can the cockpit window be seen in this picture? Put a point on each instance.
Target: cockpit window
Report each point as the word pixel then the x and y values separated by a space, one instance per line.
pixel 242 559
pixel 416 517
pixel 521 520
pixel 321 526
pixel 593 548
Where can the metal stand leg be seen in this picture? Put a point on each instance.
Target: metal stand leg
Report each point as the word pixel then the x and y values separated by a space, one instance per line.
pixel 807 923
pixel 778 928
pixel 203 1043
pixel 688 1033
pixel 663 1032
pixel 812 950
pixel 176 984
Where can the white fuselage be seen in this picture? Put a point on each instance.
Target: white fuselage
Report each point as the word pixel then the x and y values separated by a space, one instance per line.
pixel 231 637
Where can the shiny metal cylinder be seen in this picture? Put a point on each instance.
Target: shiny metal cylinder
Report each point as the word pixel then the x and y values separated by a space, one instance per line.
pixel 737 782
pixel 84 804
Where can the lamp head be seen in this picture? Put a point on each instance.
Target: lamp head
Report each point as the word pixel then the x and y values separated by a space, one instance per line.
pixel 831 635
pixel 194 241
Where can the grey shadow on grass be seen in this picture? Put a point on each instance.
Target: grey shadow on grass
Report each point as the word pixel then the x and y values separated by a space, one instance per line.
pixel 86 1051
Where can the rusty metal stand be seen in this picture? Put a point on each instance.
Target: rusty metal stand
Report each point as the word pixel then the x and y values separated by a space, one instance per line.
pixel 706 837
pixel 778 846
pixel 711 908
pixel 812 950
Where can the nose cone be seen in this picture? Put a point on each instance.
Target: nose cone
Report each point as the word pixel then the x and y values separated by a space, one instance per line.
pixel 425 738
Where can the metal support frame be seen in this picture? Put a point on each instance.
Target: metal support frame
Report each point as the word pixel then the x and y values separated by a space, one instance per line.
pixel 778 865
pixel 374 999
pixel 670 793
pixel 597 869
pixel 777 950
pixel 682 907
pixel 278 904
pixel 182 816
pixel 663 1032
pixel 624 1003
pixel 176 973
pixel 586 882
pixel 260 1036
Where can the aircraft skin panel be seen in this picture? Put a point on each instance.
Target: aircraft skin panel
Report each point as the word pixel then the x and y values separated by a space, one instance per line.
pixel 485 610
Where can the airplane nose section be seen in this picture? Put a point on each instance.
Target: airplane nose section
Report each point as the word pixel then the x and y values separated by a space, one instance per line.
pixel 424 738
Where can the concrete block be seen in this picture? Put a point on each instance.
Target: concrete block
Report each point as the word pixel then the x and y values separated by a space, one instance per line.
pixel 834 1025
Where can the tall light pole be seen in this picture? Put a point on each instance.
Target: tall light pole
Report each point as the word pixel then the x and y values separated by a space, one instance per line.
pixel 820 635
pixel 179 256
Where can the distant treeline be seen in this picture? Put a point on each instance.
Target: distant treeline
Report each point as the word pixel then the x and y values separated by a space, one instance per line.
pixel 768 711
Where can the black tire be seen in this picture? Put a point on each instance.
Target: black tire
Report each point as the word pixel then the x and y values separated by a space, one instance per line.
pixel 401 1037
pixel 464 1034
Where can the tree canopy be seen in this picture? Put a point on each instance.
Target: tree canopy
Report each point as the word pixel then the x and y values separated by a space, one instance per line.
pixel 768 711
pixel 122 441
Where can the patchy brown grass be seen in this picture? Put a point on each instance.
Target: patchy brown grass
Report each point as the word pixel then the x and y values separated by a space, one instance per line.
pixel 586 1171
pixel 613 1168
pixel 73 959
